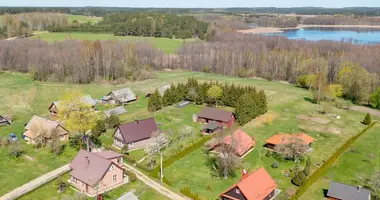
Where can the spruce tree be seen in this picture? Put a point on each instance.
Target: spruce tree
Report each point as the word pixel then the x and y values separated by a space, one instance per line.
pixel 299 178
pixel 155 102
pixel 243 109
pixel 367 120
pixel 166 98
pixel 263 107
pixel 307 167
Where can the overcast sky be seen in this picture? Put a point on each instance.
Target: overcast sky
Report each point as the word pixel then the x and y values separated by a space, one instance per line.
pixel 193 3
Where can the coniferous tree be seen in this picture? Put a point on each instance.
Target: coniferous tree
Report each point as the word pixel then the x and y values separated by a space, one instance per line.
pixel 307 167
pixel 166 101
pixel 262 100
pixel 299 178
pixel 155 102
pixel 367 120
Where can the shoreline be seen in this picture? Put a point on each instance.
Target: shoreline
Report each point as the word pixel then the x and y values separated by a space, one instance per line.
pixel 263 30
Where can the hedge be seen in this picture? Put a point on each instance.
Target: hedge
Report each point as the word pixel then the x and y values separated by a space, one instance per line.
pixel 321 171
pixel 189 193
pixel 132 176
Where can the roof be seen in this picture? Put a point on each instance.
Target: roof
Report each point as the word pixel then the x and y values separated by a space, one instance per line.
pixel 124 95
pixel 87 99
pixel 108 154
pixel 347 192
pixel 44 124
pixel 211 125
pixel 138 130
pixel 89 167
pixel 256 186
pixel 163 88
pixel 182 104
pixel 5 119
pixel 128 196
pixel 243 142
pixel 283 138
pixel 115 111
pixel 215 114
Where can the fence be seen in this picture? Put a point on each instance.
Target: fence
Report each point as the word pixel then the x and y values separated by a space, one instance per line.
pixel 321 171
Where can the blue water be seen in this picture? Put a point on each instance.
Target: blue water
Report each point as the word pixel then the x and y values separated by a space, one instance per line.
pixel 360 36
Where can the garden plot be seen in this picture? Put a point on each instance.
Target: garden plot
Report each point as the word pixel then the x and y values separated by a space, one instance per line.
pixel 313 119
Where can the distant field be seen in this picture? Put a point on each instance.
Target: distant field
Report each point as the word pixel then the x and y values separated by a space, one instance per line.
pixel 82 19
pixel 165 44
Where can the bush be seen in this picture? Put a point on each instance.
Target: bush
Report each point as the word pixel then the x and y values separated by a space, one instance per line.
pixel 275 165
pixel 187 192
pixel 268 153
pixel 4 142
pixel 132 176
pixel 367 120
pixel 113 121
pixel 166 181
pixel 130 159
pixel 99 128
pixel 299 178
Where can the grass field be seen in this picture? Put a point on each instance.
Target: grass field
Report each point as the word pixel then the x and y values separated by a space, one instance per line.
pixel 83 19
pixel 285 103
pixel 165 44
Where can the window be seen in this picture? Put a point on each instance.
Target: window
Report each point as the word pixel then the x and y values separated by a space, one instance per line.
pixel 74 179
pixel 111 168
pixel 119 160
pixel 114 178
pixel 237 191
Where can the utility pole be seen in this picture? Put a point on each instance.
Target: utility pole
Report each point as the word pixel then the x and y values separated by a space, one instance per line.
pixel 161 173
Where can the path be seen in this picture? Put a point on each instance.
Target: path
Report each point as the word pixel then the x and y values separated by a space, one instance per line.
pixel 157 186
pixel 30 186
pixel 34 33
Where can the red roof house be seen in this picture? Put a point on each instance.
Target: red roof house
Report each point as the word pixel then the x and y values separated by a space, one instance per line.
pixel 224 118
pixel 258 185
pixel 286 138
pixel 241 143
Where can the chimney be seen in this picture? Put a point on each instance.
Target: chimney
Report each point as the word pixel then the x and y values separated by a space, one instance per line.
pixel 136 121
pixel 244 174
pixel 87 162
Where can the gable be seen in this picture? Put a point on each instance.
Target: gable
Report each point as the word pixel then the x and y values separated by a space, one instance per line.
pixel 235 193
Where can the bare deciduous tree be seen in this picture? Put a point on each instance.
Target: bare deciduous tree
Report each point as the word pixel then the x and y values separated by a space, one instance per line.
pixel 293 149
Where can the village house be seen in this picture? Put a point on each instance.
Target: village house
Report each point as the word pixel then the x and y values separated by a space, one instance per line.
pixel 96 173
pixel 285 138
pixel 225 119
pixel 4 121
pixel 340 191
pixel 239 141
pixel 115 111
pixel 161 90
pixel 86 100
pixel 38 125
pixel 135 134
pixel 258 185
pixel 122 96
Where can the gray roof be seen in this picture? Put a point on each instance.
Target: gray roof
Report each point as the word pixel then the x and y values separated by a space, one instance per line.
pixel 211 125
pixel 163 88
pixel 124 95
pixel 4 119
pixel 182 104
pixel 87 99
pixel 115 111
pixel 348 192
pixel 128 196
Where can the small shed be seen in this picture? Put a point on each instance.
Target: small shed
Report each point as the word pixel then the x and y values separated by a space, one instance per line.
pixel 161 90
pixel 128 196
pixel 182 104
pixel 115 111
pixel 4 121
pixel 121 96
pixel 211 128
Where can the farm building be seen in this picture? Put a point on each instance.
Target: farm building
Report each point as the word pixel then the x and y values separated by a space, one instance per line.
pixel 121 96
pixel 211 128
pixel 224 118
pixel 4 121
pixel 182 104
pixel 285 138
pixel 239 141
pixel 96 173
pixel 161 90
pixel 258 185
pixel 128 196
pixel 38 125
pixel 86 100
pixel 340 191
pixel 115 111
pixel 135 134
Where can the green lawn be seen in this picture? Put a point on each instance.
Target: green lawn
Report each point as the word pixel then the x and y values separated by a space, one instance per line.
pixel 49 191
pixel 83 19
pixel 165 44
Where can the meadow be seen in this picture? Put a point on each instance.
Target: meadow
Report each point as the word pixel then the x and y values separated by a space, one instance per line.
pixel 165 44
pixel 285 102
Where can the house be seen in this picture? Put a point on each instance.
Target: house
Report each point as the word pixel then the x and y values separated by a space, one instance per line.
pixel 128 196
pixel 96 173
pixel 340 191
pixel 4 121
pixel 121 96
pixel 115 111
pixel 285 138
pixel 38 125
pixel 86 100
pixel 161 90
pixel 211 128
pixel 135 134
pixel 224 118
pixel 258 185
pixel 240 142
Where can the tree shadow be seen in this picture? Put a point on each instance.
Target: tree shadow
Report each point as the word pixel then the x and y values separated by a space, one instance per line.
pixel 325 192
pixel 310 100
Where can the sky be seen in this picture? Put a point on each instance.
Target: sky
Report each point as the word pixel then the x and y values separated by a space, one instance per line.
pixel 193 3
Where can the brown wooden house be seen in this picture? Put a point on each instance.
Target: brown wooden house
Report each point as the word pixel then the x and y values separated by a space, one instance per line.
pixel 224 118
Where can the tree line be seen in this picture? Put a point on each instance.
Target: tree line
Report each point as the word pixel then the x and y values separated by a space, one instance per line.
pixel 17 10
pixel 248 102
pixel 147 25
pixel 78 61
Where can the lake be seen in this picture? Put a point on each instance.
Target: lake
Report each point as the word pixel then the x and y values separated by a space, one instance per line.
pixel 357 36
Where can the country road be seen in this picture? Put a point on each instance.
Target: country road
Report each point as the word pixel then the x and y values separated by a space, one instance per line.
pixel 34 33
pixel 157 186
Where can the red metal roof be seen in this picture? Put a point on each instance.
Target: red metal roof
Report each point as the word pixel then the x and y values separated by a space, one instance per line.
pixel 138 130
pixel 215 114
pixel 242 142
pixel 284 138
